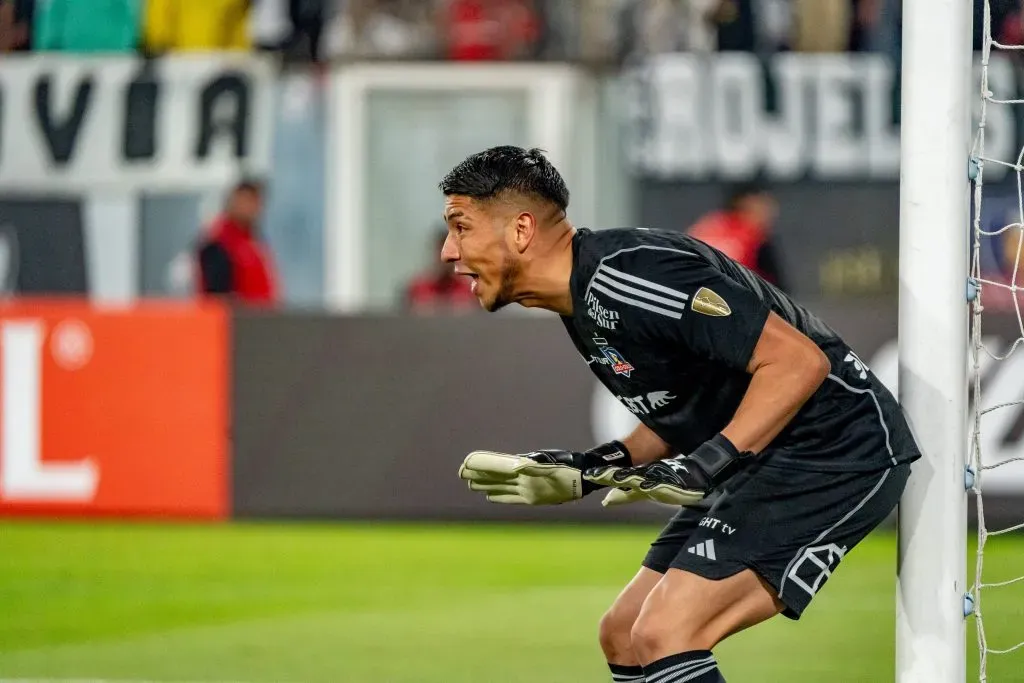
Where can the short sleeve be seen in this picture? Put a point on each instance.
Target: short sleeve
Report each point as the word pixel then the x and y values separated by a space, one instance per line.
pixel 676 298
pixel 215 266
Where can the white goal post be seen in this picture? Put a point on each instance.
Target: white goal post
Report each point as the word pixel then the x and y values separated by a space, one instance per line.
pixel 933 338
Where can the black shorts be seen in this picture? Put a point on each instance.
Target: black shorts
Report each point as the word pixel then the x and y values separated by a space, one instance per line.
pixel 791 527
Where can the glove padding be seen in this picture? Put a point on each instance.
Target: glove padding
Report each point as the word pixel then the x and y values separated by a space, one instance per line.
pixel 683 480
pixel 547 477
pixel 623 495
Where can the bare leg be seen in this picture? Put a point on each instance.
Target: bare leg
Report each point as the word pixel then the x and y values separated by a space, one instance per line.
pixel 686 615
pixel 617 623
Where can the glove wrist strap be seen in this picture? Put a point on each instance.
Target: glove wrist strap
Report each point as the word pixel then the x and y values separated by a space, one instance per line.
pixel 716 457
pixel 611 453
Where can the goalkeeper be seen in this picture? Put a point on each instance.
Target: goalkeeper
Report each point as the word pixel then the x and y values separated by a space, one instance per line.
pixel 781 448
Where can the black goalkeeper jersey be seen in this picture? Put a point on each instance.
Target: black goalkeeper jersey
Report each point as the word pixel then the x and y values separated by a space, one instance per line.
pixel 668 325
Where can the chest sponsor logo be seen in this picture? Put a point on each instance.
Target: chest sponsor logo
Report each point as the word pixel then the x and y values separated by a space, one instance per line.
pixel 640 405
pixel 706 301
pixel 604 317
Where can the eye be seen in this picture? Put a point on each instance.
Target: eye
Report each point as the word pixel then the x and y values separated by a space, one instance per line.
pixel 459 228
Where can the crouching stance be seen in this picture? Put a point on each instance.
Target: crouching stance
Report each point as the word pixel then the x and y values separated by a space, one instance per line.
pixel 778 445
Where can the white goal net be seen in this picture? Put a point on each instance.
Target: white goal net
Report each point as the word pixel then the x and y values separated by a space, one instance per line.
pixel 996 300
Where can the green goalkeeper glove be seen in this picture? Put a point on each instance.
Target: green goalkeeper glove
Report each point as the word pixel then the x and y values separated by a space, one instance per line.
pixel 546 477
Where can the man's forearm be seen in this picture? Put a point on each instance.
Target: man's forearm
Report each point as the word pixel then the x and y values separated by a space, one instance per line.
pixel 645 446
pixel 775 395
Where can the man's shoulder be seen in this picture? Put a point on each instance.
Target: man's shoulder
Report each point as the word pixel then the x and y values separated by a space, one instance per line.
pixel 636 272
pixel 639 246
pixel 654 255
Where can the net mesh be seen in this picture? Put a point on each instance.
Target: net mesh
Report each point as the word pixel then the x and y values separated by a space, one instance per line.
pixel 992 283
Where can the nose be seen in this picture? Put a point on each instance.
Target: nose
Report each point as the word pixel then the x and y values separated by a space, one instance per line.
pixel 449 250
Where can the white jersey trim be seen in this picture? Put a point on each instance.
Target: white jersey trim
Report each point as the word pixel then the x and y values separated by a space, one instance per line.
pixel 609 282
pixel 826 532
pixel 635 302
pixel 612 283
pixel 878 407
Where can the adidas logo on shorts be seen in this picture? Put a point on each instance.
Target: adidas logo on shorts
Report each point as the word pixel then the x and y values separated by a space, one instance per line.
pixel 704 549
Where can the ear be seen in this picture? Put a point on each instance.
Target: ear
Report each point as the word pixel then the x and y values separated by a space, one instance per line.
pixel 525 231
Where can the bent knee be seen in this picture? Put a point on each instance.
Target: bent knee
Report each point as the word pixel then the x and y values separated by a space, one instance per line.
pixel 647 636
pixel 614 633
pixel 655 633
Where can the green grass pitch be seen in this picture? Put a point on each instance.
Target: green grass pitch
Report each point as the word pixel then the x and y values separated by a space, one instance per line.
pixel 376 603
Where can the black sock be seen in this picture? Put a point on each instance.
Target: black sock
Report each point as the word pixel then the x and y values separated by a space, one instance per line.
pixel 695 666
pixel 622 673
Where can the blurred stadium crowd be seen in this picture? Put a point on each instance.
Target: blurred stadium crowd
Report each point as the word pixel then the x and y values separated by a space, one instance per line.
pixel 603 31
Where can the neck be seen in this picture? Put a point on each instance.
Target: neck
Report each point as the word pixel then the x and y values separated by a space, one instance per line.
pixel 238 221
pixel 544 282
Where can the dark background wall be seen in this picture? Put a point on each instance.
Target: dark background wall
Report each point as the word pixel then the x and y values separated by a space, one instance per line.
pixel 369 417
pixel 42 247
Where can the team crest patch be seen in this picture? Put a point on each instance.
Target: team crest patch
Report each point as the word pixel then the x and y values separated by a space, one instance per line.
pixel 620 365
pixel 707 302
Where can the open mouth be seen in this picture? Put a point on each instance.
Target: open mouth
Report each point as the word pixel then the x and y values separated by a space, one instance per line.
pixel 473 278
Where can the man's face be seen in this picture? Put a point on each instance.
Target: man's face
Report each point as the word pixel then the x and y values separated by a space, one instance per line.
pixel 246 206
pixel 761 208
pixel 477 245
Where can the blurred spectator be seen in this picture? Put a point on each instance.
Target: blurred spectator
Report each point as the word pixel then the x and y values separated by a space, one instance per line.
pixel 439 289
pixel 999 252
pixel 15 24
pixel 596 26
pixel 1008 26
pixel 232 259
pixel 485 30
pixel 1006 21
pixel 660 26
pixel 742 230
pixel 93 26
pixel 865 15
pixel 270 26
pixel 737 31
pixel 876 27
pixel 775 25
pixel 292 27
pixel 378 28
pixel 1007 246
pixel 823 25
pixel 307 23
pixel 196 25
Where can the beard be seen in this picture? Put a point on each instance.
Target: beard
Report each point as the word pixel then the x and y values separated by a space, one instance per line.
pixel 506 290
